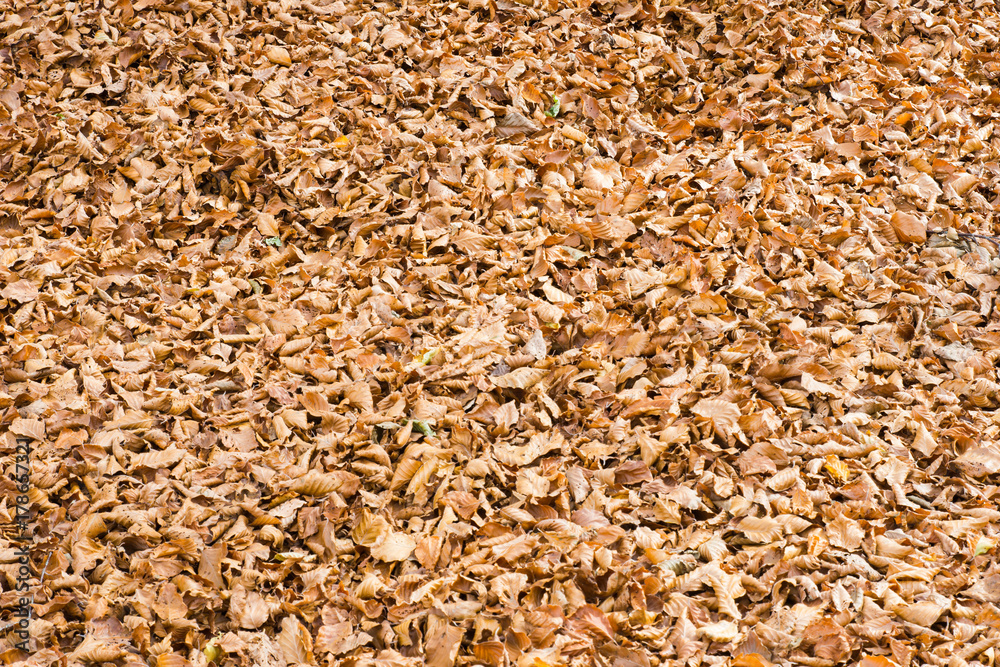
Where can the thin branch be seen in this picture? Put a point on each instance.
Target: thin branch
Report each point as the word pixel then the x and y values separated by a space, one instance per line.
pixel 41 580
pixel 968 235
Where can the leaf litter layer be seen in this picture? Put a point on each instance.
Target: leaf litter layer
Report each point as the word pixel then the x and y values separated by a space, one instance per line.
pixel 493 333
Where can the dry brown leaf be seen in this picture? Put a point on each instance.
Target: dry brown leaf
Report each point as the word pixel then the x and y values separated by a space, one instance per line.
pixel 279 56
pixel 844 533
pixel 492 333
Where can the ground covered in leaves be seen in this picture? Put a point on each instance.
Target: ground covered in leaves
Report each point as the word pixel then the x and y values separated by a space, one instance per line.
pixel 491 333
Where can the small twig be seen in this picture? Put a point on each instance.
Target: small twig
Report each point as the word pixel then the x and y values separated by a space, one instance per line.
pixel 968 235
pixel 41 577
pixel 994 239
pixel 41 580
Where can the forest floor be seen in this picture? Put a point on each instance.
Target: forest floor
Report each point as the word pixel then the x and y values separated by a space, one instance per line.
pixel 492 333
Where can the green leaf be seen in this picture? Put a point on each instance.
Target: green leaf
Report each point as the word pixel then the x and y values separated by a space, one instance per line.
pixel 423 427
pixel 426 357
pixel 984 545
pixel 257 289
pixel 212 651
pixel 554 109
pixel 273 241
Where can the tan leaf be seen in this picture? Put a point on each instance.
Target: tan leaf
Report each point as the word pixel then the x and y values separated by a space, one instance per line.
pixel 520 378
pixel 536 345
pixel 980 461
pixel 723 631
pixel 708 304
pixel 876 661
pixel 538 445
pixel 21 291
pixel 393 37
pixel 724 415
pixel 603 173
pixel 962 183
pixel 93 380
pixel 920 613
pixel 279 56
pixel 921 186
pixel 295 642
pixel 593 621
pixel 359 394
pixel 315 403
pixel 844 533
pixel 315 483
pixel 491 652
pixel 393 547
pixel 158 459
pixel 443 643
pixel 793 524
pixel 513 123
pixel 909 228
pixel 760 530
pixel 28 428
pixel 251 609
pixel 370 529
